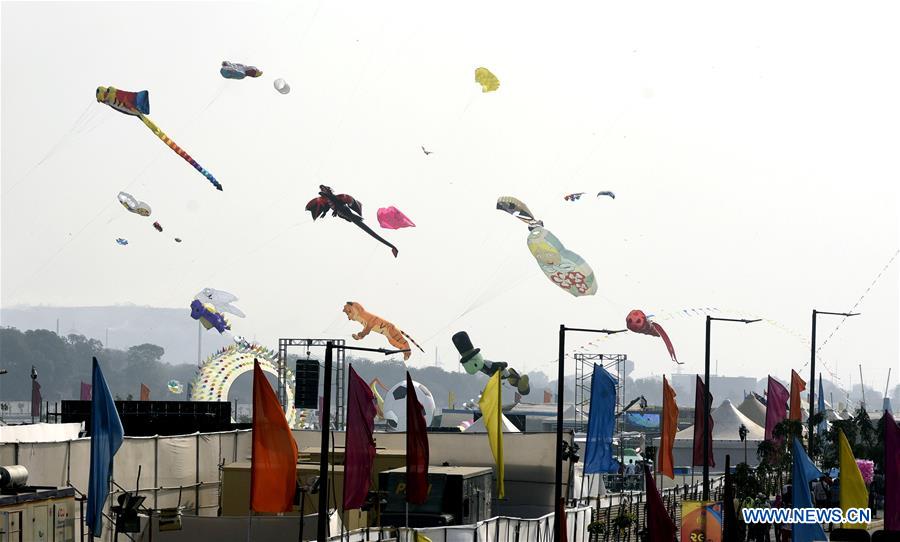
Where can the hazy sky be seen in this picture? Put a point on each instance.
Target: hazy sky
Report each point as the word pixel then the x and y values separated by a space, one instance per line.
pixel 753 153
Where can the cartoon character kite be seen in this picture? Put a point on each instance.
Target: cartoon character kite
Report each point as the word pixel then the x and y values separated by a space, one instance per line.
pixel 396 336
pixel 220 300
pixel 638 322
pixel 207 314
pixel 137 104
pixel 563 267
pixel 133 205
pixel 121 241
pixel 470 358
pixel 343 206
pixel 238 71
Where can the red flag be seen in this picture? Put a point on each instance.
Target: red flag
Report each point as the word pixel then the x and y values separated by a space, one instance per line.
pixel 85 391
pixel 891 473
pixel 669 428
pixel 699 410
pixel 548 397
pixel 273 465
pixel 776 406
pixel 797 386
pixel 416 447
pixel 145 392
pixel 360 445
pixel 660 527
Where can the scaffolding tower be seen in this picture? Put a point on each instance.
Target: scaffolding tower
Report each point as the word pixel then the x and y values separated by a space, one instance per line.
pixel 584 370
pixel 338 368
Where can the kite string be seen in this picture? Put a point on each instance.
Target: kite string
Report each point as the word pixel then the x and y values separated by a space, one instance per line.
pixel 858 301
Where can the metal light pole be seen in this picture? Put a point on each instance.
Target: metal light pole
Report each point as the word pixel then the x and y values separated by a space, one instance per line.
pixel 742 432
pixel 558 508
pixel 325 422
pixel 706 400
pixel 812 370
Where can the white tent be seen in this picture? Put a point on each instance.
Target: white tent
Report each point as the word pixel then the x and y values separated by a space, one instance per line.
pixel 478 426
pixel 753 409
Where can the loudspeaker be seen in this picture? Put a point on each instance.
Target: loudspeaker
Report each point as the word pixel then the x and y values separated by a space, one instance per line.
pixel 307 378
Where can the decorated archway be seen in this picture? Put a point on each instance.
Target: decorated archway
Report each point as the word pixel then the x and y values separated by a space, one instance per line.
pixel 217 374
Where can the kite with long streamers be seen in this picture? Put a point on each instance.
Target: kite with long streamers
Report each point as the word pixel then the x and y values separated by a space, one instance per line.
pixel 137 104
pixel 391 218
pixel 563 267
pixel 396 336
pixel 638 322
pixel 343 206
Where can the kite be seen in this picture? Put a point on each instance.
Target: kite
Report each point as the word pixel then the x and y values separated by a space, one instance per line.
pixel 574 197
pixel 487 80
pixel 379 401
pixel 175 386
pixel 177 239
pixel 282 86
pixel 121 241
pixel 238 71
pixel 220 300
pixel 606 193
pixel 471 359
pixel 207 314
pixel 638 322
pixel 563 267
pixel 157 226
pixel 397 337
pixel 392 219
pixel 133 205
pixel 344 206
pixel 426 152
pixel 137 104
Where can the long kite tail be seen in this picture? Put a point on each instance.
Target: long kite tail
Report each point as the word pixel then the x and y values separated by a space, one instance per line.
pixel 412 340
pixel 665 337
pixel 179 151
pixel 359 222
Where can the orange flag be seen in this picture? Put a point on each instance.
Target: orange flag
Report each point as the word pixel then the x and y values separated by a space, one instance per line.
pixel 669 428
pixel 145 392
pixel 797 386
pixel 273 466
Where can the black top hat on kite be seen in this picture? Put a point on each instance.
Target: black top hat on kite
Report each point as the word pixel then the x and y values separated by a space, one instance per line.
pixel 470 357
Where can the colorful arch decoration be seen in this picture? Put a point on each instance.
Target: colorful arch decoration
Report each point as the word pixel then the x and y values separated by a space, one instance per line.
pixel 216 375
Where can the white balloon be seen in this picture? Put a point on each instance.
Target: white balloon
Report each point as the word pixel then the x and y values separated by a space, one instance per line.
pixel 282 86
pixel 395 405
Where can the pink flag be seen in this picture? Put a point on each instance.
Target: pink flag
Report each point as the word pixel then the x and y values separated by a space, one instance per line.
pixel 776 406
pixel 85 391
pixel 891 473
pixel 392 219
pixel 360 445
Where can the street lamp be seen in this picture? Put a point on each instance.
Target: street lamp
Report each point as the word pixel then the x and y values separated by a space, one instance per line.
pixel 706 401
pixel 325 422
pixel 812 370
pixel 558 508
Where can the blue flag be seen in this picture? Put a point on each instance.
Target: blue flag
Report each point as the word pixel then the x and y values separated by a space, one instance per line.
pixel 106 437
pixel 601 423
pixel 803 472
pixel 823 425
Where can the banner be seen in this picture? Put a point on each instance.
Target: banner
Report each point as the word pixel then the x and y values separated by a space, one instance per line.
pixel 701 522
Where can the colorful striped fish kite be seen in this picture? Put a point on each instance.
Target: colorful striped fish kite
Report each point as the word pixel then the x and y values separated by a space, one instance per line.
pixel 137 104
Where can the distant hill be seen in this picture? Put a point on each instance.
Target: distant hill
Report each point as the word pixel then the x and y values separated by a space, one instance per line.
pixel 128 325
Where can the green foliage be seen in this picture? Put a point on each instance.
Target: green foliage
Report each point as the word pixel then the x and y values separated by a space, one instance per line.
pixel 746 482
pixel 865 438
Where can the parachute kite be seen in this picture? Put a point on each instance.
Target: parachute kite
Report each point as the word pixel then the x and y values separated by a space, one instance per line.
pixel 282 86
pixel 638 322
pixel 121 241
pixel 220 300
pixel 574 197
pixel 471 359
pixel 175 386
pixel 344 206
pixel 606 193
pixel 487 80
pixel 392 219
pixel 396 336
pixel 563 267
pixel 137 104
pixel 133 205
pixel 238 71
pixel 207 315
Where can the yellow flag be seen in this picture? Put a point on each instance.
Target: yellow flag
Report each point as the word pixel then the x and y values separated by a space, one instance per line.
pixel 491 414
pixel 451 399
pixel 853 488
